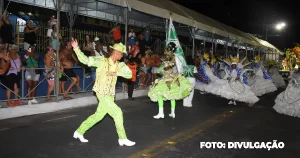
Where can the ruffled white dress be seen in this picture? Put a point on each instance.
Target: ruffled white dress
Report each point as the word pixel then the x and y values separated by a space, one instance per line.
pixel 261 85
pixel 288 101
pixel 233 89
pixel 204 87
pixel 277 78
pixel 230 89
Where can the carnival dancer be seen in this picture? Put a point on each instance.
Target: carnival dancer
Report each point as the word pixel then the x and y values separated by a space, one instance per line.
pixel 172 86
pixel 233 88
pixel 288 101
pixel 214 66
pixel 108 69
pixel 263 81
pixel 274 72
pixel 223 66
pixel 206 73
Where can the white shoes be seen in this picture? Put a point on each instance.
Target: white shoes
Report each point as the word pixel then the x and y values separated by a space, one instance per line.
pixel 34 101
pixel 172 114
pixel 160 114
pixel 126 142
pixel 122 142
pixel 80 137
pixel 189 105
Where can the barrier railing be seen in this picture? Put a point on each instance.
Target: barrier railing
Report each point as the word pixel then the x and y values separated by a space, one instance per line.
pixel 43 40
pixel 84 86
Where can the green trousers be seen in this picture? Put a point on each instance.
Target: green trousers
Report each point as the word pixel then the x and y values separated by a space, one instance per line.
pixel 106 105
pixel 161 103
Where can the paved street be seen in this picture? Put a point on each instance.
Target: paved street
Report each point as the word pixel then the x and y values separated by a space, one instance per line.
pixel 209 120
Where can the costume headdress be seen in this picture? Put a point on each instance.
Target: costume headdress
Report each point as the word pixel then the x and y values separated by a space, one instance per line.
pixel 257 59
pixel 213 60
pixel 227 59
pixel 234 60
pixel 206 56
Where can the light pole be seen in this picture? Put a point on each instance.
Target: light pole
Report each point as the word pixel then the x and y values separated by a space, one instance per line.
pixel 279 26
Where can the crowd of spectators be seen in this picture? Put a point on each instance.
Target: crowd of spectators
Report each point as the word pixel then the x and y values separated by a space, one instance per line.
pixel 141 60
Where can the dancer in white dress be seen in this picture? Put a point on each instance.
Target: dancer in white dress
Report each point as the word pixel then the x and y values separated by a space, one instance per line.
pixel 263 81
pixel 206 74
pixel 274 72
pixel 232 88
pixel 288 101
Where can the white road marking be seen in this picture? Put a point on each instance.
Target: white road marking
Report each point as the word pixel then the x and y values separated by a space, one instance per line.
pixel 4 129
pixel 61 118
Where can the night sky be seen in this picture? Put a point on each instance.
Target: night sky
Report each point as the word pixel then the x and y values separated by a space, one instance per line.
pixel 253 17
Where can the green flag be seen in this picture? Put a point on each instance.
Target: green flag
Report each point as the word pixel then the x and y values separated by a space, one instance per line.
pixel 172 37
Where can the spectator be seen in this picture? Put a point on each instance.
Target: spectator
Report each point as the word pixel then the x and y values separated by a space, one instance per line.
pixel 13 76
pixel 155 66
pixel 142 43
pixel 4 61
pixel 32 76
pixel 149 63
pixel 135 49
pixel 55 38
pixel 147 38
pixel 67 59
pixel 130 83
pixel 88 50
pixel 6 29
pixel 50 62
pixel 138 61
pixel 131 37
pixel 99 51
pixel 117 34
pixel 50 24
pixel 29 35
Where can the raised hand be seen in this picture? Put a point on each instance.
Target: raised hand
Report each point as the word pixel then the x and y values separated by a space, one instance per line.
pixel 74 43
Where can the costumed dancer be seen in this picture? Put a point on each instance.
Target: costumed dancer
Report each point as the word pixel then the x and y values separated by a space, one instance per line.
pixel 233 88
pixel 190 73
pixel 108 69
pixel 171 86
pixel 207 77
pixel 274 68
pixel 288 101
pixel 263 81
pixel 214 66
pixel 223 66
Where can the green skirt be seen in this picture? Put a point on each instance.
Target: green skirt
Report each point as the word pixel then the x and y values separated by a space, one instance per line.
pixel 175 87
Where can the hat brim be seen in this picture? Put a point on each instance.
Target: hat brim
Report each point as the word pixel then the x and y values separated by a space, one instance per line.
pixel 124 52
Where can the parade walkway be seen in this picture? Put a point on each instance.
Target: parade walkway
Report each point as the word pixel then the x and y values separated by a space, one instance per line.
pixel 209 120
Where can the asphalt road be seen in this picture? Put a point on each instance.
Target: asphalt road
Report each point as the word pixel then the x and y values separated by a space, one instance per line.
pixel 209 120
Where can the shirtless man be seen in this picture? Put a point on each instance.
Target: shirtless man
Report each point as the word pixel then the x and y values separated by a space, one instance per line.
pixel 67 59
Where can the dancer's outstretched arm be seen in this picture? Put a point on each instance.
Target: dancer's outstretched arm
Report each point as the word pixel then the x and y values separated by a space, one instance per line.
pixel 124 71
pixel 89 61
